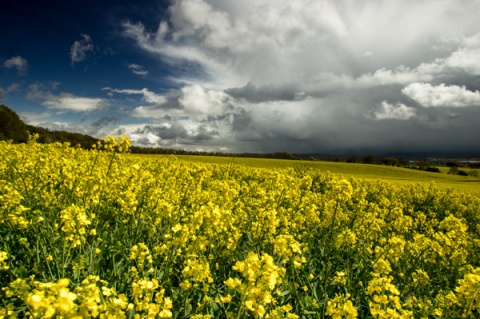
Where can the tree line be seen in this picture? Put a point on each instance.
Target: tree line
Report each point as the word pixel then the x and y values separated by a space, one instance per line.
pixel 14 129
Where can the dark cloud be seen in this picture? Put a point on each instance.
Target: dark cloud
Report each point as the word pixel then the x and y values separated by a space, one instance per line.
pixel 170 132
pixel 264 93
pixel 204 134
pixel 120 131
pixel 144 141
pixel 105 121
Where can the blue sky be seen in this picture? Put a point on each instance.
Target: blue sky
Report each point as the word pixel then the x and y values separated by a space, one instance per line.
pixel 301 76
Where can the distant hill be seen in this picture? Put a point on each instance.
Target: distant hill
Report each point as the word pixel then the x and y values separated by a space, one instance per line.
pixel 13 128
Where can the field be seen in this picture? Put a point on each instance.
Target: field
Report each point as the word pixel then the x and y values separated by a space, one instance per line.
pixel 395 175
pixel 103 234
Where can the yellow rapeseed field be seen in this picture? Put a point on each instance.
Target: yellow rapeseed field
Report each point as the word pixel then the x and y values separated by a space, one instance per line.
pixel 103 234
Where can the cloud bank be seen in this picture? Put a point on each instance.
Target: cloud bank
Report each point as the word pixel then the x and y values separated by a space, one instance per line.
pixel 316 76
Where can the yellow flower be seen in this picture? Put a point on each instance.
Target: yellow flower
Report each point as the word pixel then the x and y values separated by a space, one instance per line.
pixel 177 228
pixel 226 299
pixel 186 284
pixel 340 277
pixel 233 282
pixel 3 260
pixel 165 314
pixel 341 307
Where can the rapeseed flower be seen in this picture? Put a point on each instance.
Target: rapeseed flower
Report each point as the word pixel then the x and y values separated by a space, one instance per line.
pixel 159 237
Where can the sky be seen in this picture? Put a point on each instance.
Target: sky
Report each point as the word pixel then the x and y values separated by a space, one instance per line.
pixel 324 76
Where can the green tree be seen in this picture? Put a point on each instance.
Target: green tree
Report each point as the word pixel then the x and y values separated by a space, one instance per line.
pixel 11 126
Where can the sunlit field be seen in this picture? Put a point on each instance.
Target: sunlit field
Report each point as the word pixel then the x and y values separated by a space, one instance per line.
pixel 103 234
pixel 395 175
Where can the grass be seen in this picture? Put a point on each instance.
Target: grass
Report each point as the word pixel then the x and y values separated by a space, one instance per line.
pixel 396 175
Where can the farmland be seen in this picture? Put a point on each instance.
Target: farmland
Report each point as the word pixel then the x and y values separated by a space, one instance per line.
pixel 395 175
pixel 103 234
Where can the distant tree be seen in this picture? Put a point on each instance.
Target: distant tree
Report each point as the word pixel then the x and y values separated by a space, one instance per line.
pixel 280 155
pixel 423 165
pixel 353 159
pixel 369 159
pixel 403 162
pixel 453 170
pixel 433 169
pixel 474 164
pixel 473 173
pixel 389 161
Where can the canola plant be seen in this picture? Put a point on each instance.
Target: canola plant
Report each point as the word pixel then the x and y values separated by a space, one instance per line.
pixel 103 234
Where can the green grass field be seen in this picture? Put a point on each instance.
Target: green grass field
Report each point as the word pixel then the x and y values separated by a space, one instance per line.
pixel 397 175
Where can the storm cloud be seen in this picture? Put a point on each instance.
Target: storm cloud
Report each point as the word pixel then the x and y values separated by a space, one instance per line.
pixel 324 76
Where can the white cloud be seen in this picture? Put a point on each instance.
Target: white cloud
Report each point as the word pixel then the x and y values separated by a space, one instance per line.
pixel 70 102
pixel 264 42
pixel 18 63
pixel 398 111
pixel 14 87
pixel 64 101
pixel 137 69
pixel 80 49
pixel 400 75
pixel 190 100
pixel 69 127
pixel 232 42
pixel 197 100
pixel 149 112
pixel 466 59
pixel 442 95
pixel 186 117
pixel 147 95
pixel 33 118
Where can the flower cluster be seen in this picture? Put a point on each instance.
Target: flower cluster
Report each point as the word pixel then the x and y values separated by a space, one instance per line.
pixel 3 260
pixel 112 144
pixel 341 307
